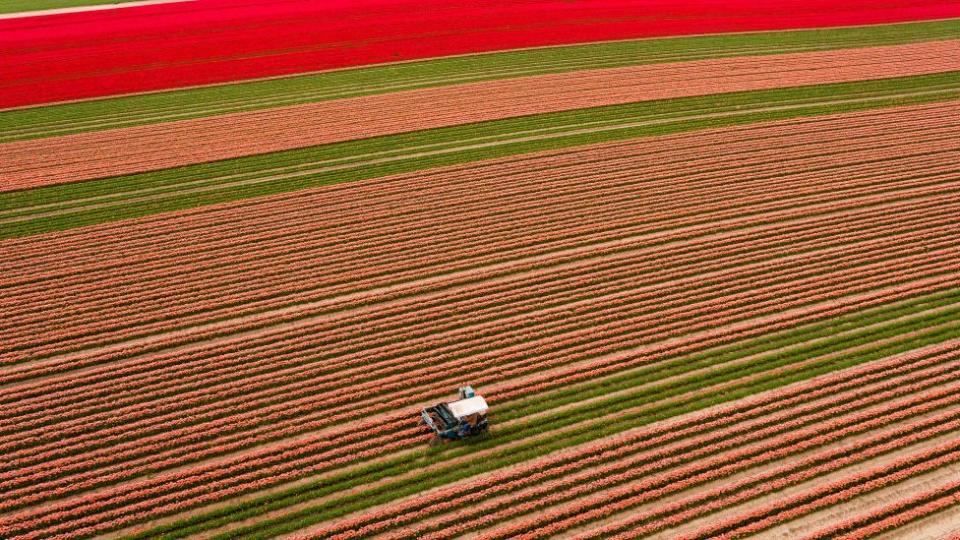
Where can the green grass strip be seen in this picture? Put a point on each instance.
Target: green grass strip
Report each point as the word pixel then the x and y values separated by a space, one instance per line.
pixel 198 102
pixel 19 6
pixel 587 412
pixel 304 168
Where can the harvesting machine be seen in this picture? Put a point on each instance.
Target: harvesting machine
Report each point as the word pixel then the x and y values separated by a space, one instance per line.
pixel 458 419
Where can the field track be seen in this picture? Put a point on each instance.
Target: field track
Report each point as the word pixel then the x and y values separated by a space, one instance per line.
pixel 228 352
pixel 75 158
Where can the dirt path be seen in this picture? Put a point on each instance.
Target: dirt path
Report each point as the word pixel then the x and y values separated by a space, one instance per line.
pixel 939 526
pixel 875 500
pixel 816 520
pixel 82 9
pixel 74 158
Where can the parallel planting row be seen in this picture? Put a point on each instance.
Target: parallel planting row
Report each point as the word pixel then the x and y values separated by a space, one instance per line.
pixel 635 312
pixel 74 158
pixel 109 199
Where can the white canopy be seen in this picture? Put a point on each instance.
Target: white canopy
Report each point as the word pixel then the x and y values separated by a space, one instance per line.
pixel 466 407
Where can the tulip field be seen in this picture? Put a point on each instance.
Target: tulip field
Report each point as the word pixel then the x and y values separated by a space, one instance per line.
pixel 705 271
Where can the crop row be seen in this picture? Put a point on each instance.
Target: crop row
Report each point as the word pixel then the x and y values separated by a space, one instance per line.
pixel 336 278
pixel 204 488
pixel 345 83
pixel 200 185
pixel 494 299
pixel 447 200
pixel 436 477
pixel 468 303
pixel 442 285
pixel 156 147
pixel 381 274
pixel 841 490
pixel 662 455
pixel 613 500
pixel 704 284
pixel 358 432
pixel 895 515
pixel 130 424
pixel 327 401
pixel 107 452
pixel 235 223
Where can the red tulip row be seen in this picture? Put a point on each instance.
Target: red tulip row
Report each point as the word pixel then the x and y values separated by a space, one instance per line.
pixel 376 267
pixel 339 90
pixel 143 148
pixel 893 516
pixel 541 479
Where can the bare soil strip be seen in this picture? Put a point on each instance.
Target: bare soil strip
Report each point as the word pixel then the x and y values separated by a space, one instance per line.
pixel 79 157
pixel 82 9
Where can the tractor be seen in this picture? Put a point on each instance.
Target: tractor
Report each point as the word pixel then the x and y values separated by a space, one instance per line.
pixel 455 420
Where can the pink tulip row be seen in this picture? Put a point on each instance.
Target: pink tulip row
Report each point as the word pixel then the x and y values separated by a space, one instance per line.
pixel 546 190
pixel 440 299
pixel 894 516
pixel 463 180
pixel 399 329
pixel 49 399
pixel 140 307
pixel 665 453
pixel 735 330
pixel 155 499
pixel 491 248
pixel 57 434
pixel 683 144
pixel 37 372
pixel 695 506
pixel 827 461
pixel 612 500
pixel 386 233
pixel 840 490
